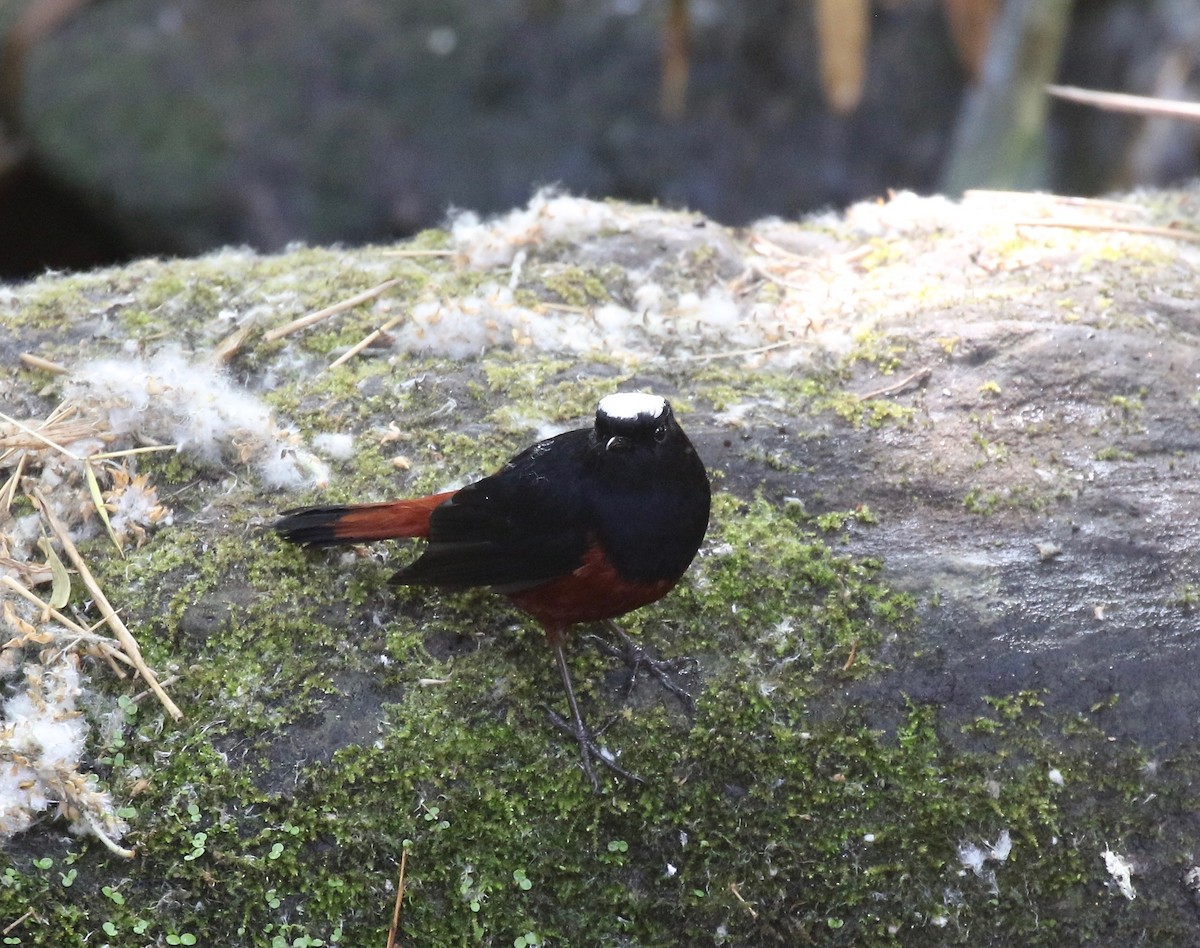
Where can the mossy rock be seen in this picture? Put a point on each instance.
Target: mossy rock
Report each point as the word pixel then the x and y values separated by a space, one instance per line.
pixel 942 635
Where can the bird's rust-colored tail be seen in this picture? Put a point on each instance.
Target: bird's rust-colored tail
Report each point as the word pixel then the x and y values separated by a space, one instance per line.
pixel 356 523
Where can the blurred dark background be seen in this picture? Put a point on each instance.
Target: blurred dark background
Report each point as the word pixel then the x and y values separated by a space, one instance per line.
pixel 135 127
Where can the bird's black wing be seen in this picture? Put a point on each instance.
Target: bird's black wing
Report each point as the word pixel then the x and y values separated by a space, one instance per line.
pixel 521 527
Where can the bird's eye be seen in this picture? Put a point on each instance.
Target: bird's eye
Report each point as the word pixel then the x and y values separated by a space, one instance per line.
pixel 660 433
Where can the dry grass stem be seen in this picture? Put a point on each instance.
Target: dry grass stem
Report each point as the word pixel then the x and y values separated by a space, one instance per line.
pixel 103 837
pixel 312 318
pixel 395 928
pixel 733 888
pixel 8 493
pixel 735 353
pixel 143 695
pixel 37 362
pixel 36 574
pixel 1123 102
pixel 919 376
pixel 1172 233
pixel 77 632
pixel 9 441
pixel 123 635
pixel 367 341
pixel 145 449
pixel 17 924
pixel 1056 199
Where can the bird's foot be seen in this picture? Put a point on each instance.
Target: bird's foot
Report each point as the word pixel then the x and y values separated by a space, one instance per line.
pixel 589 749
pixel 636 657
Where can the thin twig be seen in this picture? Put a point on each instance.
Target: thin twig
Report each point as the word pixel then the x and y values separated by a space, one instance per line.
pixel 733 887
pixel 734 353
pixel 1123 102
pixel 145 449
pixel 304 321
pixel 418 253
pixel 37 362
pixel 394 930
pixel 1190 236
pixel 123 635
pixel 166 683
pixel 918 376
pixel 8 928
pixel 359 346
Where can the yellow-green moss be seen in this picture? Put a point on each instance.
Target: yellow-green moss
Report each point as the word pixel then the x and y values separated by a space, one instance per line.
pixel 576 286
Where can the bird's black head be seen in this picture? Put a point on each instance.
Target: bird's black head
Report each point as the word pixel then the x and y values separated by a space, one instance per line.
pixel 648 488
pixel 628 421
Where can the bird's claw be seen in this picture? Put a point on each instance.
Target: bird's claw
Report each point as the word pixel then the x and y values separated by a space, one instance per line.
pixel 636 657
pixel 589 749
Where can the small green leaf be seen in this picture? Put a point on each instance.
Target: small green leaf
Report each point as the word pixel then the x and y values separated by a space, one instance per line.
pixel 60 590
pixel 98 502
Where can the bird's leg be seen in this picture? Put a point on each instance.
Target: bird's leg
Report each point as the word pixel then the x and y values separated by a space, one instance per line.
pixel 588 748
pixel 636 657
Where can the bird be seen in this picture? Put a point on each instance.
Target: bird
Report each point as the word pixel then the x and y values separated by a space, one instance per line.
pixel 581 527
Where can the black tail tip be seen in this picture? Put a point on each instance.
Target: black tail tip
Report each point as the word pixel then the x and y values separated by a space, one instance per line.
pixel 311 526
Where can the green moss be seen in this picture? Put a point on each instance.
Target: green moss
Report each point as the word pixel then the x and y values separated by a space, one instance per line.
pixel 759 822
pixel 1128 405
pixel 868 412
pixel 575 286
pixel 763 826
pixel 538 835
pixel 981 501
pixel 878 349
pixel 994 451
pixel 1111 452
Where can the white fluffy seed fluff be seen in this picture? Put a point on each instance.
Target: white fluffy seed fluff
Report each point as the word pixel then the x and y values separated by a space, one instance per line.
pixel 626 406
pixel 1121 871
pixel 42 739
pixel 166 398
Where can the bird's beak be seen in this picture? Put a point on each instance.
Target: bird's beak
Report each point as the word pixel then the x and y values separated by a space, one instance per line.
pixel 616 443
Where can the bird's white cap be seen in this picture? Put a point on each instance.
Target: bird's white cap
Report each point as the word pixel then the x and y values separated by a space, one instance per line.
pixel 628 406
